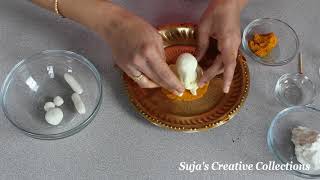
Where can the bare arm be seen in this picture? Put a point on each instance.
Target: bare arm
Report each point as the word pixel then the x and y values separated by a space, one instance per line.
pixel 85 12
pixel 136 45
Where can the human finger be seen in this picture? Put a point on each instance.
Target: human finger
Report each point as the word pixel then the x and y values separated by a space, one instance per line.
pixel 138 77
pixel 203 34
pixel 229 49
pixel 158 65
pixel 215 69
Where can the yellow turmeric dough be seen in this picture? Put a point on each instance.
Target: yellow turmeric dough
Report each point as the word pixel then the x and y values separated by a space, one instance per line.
pixel 187 96
pixel 262 44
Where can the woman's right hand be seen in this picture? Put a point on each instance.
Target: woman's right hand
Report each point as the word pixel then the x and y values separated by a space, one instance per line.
pixel 137 48
pixel 136 45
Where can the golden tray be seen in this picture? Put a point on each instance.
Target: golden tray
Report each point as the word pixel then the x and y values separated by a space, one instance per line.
pixel 212 110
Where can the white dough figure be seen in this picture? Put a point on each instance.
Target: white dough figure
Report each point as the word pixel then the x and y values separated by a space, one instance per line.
pixel 187 70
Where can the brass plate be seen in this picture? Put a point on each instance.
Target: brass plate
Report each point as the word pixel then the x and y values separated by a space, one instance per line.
pixel 212 110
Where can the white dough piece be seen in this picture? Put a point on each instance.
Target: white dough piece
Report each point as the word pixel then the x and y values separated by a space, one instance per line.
pixel 187 70
pixel 307 146
pixel 73 83
pixel 48 105
pixel 78 103
pixel 58 101
pixel 54 116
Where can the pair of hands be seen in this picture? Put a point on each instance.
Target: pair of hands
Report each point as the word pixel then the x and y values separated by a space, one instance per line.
pixel 137 47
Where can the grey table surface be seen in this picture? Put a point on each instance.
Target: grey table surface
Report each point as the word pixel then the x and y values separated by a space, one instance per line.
pixel 119 144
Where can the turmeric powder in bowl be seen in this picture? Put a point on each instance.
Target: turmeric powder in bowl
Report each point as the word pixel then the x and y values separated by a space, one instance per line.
pixel 262 44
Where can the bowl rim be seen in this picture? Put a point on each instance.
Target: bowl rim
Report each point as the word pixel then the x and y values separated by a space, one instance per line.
pixel 246 49
pixel 69 132
pixel 270 142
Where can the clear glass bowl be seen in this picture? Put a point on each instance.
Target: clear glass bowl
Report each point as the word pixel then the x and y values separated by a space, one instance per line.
pixel 288 41
pixel 38 79
pixel 295 90
pixel 279 134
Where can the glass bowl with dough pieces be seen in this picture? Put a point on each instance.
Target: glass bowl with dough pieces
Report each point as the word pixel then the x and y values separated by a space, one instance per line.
pixel 280 134
pixel 37 80
pixel 211 110
pixel 280 52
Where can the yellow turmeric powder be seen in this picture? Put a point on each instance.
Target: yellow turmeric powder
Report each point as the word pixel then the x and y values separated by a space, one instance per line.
pixel 262 44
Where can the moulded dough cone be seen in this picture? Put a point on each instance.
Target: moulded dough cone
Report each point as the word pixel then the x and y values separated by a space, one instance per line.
pixel 187 95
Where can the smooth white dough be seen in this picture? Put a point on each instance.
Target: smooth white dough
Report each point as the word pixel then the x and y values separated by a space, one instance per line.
pixel 307 146
pixel 54 116
pixel 48 105
pixel 187 70
pixel 78 103
pixel 58 101
pixel 73 83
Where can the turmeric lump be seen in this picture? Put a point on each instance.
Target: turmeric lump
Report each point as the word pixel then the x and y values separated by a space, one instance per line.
pixel 262 44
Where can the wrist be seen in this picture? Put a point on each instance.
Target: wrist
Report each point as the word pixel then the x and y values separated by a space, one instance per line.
pixel 77 10
pixel 100 16
pixel 110 20
pixel 85 12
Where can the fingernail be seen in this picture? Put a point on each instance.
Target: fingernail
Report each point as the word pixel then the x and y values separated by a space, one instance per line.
pixel 226 89
pixel 178 93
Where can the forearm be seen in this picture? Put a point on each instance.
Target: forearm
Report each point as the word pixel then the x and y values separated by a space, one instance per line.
pixel 89 13
pixel 241 3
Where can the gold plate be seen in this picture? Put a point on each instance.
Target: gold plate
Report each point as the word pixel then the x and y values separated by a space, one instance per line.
pixel 212 110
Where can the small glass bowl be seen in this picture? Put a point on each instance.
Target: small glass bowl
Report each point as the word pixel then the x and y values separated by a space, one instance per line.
pixel 295 90
pixel 37 80
pixel 288 41
pixel 279 135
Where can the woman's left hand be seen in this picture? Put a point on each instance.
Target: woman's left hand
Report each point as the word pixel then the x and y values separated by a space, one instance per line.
pixel 221 21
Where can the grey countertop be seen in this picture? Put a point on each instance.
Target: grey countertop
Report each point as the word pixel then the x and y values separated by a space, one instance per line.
pixel 119 144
